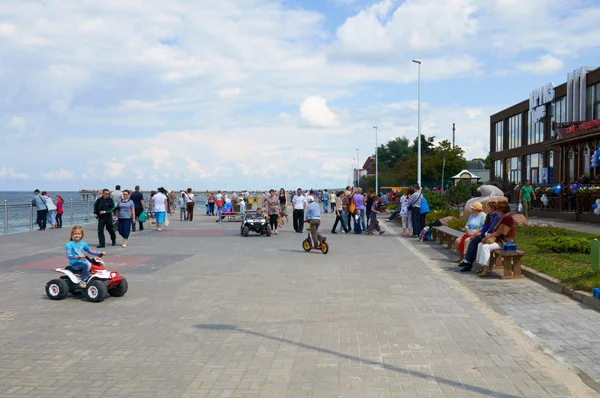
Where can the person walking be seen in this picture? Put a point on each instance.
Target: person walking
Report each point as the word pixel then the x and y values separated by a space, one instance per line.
pixel 138 201
pixel 190 202
pixel 42 209
pixel 283 204
pixel 211 203
pixel 126 215
pixel 182 209
pixel 299 201
pixel 273 210
pixel 373 223
pixel 359 203
pixel 333 200
pixel 103 208
pixel 325 198
pixel 159 202
pixel 59 210
pixel 338 213
pixel 525 195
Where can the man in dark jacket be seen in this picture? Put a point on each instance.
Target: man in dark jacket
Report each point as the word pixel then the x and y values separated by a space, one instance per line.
pixel 103 208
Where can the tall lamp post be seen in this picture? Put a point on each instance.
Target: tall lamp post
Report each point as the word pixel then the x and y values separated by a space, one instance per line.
pixel 418 123
pixel 376 164
pixel 357 168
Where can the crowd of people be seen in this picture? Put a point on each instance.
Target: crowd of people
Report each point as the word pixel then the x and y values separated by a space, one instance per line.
pixel 48 211
pixel 355 212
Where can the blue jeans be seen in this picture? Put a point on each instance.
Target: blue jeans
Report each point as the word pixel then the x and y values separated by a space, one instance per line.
pixel 82 265
pixel 344 221
pixel 125 227
pixel 391 217
pixel 325 207
pixel 416 221
pixel 362 220
pixel 472 249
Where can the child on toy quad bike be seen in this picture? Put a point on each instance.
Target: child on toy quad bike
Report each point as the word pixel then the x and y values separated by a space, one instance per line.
pixel 75 249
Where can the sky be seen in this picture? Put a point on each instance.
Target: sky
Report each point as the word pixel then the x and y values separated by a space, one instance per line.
pixel 259 94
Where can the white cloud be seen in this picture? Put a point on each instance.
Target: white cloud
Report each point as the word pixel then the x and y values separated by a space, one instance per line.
pixel 114 169
pixel 61 174
pixel 316 112
pixel 546 64
pixel 17 123
pixel 10 173
pixel 199 91
pixel 229 92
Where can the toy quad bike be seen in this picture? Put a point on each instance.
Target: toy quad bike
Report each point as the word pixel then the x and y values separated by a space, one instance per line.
pixel 308 246
pixel 252 222
pixel 100 283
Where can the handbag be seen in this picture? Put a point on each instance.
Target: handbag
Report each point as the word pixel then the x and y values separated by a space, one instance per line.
pixel 142 217
pixel 352 207
pixel 411 207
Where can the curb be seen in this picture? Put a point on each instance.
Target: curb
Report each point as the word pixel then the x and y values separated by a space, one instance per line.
pixel 554 284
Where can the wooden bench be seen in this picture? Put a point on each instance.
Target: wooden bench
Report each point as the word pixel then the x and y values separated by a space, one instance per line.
pixel 509 261
pixel 446 235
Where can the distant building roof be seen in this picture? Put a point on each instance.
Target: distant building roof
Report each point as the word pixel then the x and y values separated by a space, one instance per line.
pixel 462 175
pixel 476 164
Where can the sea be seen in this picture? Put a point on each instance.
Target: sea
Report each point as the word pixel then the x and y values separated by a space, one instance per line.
pixel 18 215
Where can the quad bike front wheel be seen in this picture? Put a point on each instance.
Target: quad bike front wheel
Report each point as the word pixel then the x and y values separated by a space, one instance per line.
pixel 246 231
pixel 119 290
pixel 324 247
pixel 57 289
pixel 306 245
pixel 96 291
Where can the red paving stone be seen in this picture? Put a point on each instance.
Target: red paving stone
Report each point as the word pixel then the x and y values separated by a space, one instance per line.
pixel 189 233
pixel 112 262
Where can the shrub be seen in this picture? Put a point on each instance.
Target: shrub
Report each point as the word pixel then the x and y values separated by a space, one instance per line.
pixel 437 214
pixel 564 244
pixel 436 201
pixel 456 223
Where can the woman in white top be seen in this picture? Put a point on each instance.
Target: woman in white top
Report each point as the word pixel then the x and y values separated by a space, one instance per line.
pixel 51 216
pixel 189 204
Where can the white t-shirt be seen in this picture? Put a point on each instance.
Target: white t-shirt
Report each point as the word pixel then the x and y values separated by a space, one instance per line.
pixel 299 202
pixel 159 202
pixel 189 197
pixel 219 196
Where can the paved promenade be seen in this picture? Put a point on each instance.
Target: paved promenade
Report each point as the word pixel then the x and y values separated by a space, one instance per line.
pixel 212 314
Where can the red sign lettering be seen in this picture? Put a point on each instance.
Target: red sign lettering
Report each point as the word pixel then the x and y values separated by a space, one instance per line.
pixel 591 125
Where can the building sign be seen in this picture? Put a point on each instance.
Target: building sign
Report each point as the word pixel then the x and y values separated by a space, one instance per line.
pixel 585 126
pixel 564 130
pixel 538 100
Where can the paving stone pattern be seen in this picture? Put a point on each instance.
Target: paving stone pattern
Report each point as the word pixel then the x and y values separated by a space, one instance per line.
pixel 228 316
pixel 567 329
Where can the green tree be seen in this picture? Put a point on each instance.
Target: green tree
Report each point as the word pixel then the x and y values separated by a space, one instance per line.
pixel 389 154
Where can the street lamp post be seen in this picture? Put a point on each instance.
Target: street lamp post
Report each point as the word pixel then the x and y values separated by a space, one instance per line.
pixel 376 164
pixel 418 122
pixel 357 168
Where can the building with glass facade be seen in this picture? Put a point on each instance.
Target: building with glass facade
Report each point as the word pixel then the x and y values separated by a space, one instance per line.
pixel 548 138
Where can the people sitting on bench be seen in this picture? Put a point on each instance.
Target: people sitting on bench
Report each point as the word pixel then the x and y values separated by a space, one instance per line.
pixel 488 227
pixel 472 227
pixel 504 232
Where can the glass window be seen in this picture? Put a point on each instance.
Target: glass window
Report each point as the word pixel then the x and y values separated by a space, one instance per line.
pixel 514 131
pixel 587 160
pixel 498 166
pixel 514 170
pixel 589 108
pixel 499 127
pixel 536 131
pixel 551 159
pixel 558 113
pixel 571 157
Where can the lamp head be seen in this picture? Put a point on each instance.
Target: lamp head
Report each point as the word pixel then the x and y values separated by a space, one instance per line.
pixel 416 62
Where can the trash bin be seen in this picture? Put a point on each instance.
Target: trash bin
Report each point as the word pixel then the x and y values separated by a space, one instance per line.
pixel 595 252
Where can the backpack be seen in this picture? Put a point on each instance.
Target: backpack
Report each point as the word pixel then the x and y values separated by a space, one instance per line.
pixel 424 233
